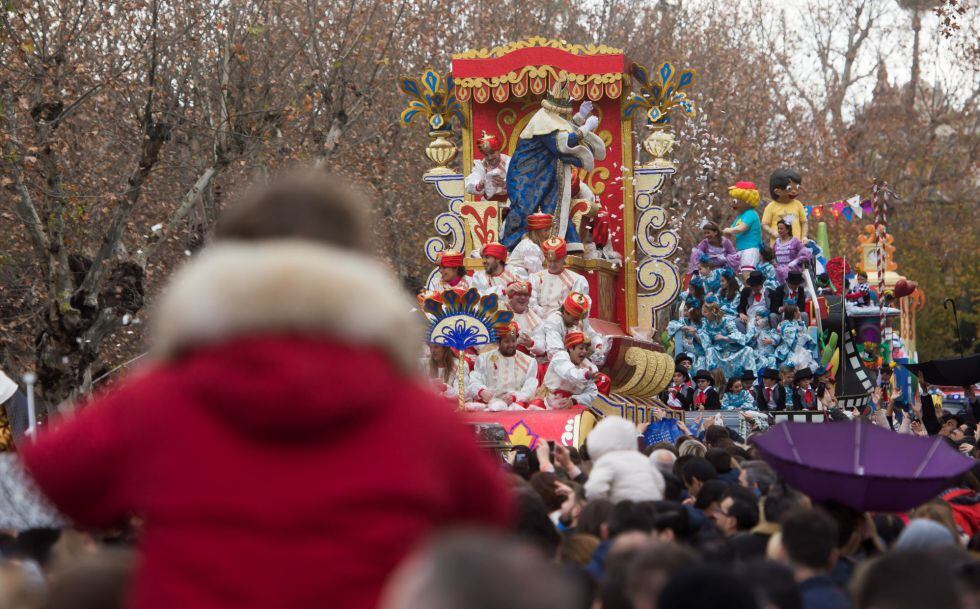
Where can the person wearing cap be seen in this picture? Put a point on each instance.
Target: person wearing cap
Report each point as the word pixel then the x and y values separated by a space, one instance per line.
pixel 571 377
pixel 573 316
pixel 804 397
pixel 680 393
pixel 747 227
pixel 488 178
pixel 754 300
pixel 791 292
pixel 705 396
pixel 494 277
pixel 452 272
pixel 552 285
pixel 527 258
pixel 531 339
pixel 503 378
pixel 549 147
pixel 685 361
pixel 771 396
pixel 748 381
pixel 784 187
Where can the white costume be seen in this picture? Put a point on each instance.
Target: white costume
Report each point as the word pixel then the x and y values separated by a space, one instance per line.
pixel 555 332
pixel 464 284
pixel 451 390
pixel 565 379
pixel 493 285
pixel 480 182
pixel 527 258
pixel 501 376
pixel 548 290
pixel 532 327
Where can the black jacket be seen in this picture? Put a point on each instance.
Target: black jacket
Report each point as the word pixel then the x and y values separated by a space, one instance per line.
pixel 712 402
pixel 760 397
pixel 746 295
pixel 782 295
pixel 798 401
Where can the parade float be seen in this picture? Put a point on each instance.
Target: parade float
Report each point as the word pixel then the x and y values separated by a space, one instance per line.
pixel 496 95
pixel 496 91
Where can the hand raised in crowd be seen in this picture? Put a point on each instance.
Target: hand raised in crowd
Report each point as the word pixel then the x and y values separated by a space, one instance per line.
pixel 563 458
pixel 966 448
pixel 543 451
pixel 657 413
pixel 917 428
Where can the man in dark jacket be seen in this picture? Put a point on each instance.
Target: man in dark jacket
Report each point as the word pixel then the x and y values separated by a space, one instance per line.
pixel 771 395
pixel 705 396
pixel 754 299
pixel 791 292
pixel 810 542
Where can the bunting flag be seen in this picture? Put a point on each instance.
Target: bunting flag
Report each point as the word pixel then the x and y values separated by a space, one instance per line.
pixel 850 208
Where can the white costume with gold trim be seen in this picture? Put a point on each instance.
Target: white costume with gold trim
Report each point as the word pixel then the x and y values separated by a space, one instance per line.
pixel 564 376
pixel 548 290
pixel 502 376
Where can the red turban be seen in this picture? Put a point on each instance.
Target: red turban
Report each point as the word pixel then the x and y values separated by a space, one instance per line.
pixel 576 304
pixel 519 287
pixel 503 330
pixel 575 338
pixel 451 259
pixel 488 143
pixel 554 248
pixel 539 221
pixel 495 250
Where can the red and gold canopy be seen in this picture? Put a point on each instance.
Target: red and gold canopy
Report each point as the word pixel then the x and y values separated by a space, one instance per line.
pixel 533 65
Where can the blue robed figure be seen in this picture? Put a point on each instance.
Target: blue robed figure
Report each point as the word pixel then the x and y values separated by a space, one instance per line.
pixel 539 176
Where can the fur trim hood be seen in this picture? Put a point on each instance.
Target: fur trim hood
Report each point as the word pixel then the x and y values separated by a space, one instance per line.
pixel 609 435
pixel 234 289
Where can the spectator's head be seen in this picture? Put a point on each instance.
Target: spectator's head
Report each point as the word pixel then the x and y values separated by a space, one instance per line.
pixel 543 484
pixel 534 524
pixel 757 475
pixel 780 501
pixel 673 523
pixel 474 571
pixel 809 538
pixel 673 487
pixel 906 580
pixel 609 435
pixel 720 458
pixel 594 518
pixel 577 549
pixel 736 514
pixel 308 205
pixel 697 471
pixel 704 587
pixel 888 527
pixel 288 260
pixel 709 496
pixel 773 583
pixel 652 568
pixel 715 435
pixel 629 516
pixel 938 511
pixel 693 448
pixel 924 534
pixel 91 581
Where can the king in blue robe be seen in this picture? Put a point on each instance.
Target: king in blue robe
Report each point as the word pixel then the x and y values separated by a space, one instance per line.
pixel 539 176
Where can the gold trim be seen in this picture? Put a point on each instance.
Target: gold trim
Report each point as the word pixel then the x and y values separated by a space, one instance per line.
pixel 539 73
pixel 540 42
pixel 467 140
pixel 629 220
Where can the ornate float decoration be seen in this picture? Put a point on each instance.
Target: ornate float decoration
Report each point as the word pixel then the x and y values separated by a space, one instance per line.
pixel 494 93
pixel 463 321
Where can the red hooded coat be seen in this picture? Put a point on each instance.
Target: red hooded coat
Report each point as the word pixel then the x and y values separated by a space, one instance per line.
pixel 278 456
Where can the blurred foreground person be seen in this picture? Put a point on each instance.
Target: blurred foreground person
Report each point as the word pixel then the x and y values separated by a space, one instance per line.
pixel 474 571
pixel 267 449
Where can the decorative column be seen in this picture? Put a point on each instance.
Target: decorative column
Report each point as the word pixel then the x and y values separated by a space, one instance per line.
pixel 433 96
pixel 658 282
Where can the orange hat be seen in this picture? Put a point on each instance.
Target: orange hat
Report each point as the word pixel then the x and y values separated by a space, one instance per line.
pixel 488 143
pixel 576 304
pixel 575 338
pixel 554 248
pixel 519 287
pixel 450 259
pixel 503 330
pixel 495 250
pixel 539 221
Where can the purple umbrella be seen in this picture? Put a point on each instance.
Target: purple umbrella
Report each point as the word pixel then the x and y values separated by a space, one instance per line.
pixel 861 465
